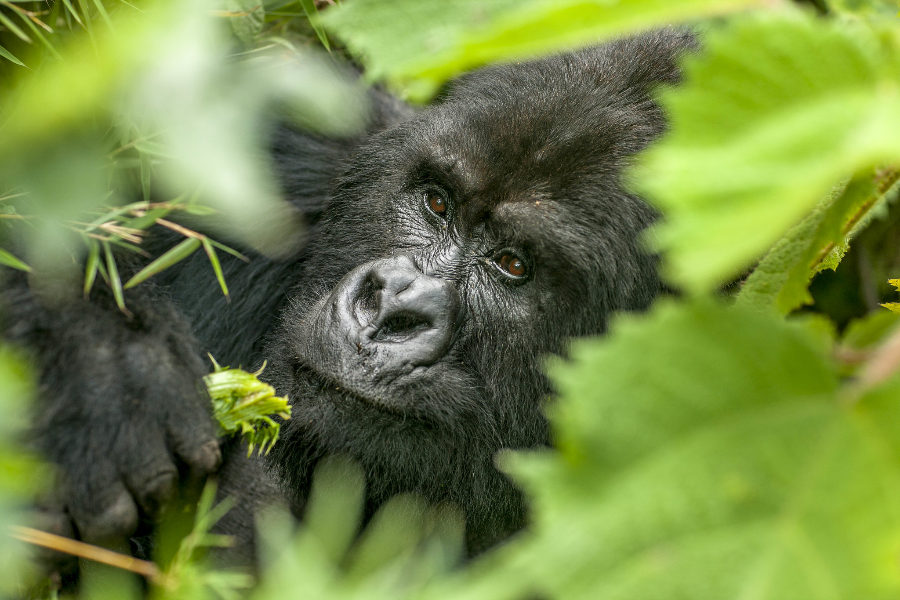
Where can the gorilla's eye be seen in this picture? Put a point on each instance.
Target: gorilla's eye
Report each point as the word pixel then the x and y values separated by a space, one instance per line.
pixel 436 202
pixel 512 265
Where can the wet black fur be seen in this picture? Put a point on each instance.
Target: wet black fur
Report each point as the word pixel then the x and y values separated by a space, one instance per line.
pixel 531 155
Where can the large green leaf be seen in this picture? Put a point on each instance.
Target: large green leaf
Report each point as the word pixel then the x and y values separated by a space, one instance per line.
pixel 710 453
pixel 778 110
pixel 419 44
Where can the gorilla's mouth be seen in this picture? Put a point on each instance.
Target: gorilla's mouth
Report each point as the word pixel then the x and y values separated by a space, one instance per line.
pixel 329 387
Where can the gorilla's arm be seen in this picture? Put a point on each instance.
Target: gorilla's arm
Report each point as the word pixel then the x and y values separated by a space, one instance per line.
pixel 121 409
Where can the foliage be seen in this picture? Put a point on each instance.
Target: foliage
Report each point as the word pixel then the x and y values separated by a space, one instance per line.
pixel 20 472
pixel 708 449
pixel 893 306
pixel 242 404
pixel 418 45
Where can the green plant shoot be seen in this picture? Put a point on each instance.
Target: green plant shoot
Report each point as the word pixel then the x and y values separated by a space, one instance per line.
pixel 244 404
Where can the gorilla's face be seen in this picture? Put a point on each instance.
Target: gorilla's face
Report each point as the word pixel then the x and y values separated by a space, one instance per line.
pixel 459 249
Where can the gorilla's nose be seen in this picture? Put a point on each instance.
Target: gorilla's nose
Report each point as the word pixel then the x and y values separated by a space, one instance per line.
pixel 409 315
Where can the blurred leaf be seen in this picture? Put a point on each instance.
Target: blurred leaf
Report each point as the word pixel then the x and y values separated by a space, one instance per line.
pixel 71 10
pixel 9 24
pixel 91 266
pixel 8 55
pixel 102 10
pixel 420 45
pixel 778 109
pixel 710 453
pixel 172 256
pixel 312 13
pixel 877 9
pixel 247 20
pixel 869 330
pixel 146 175
pixel 9 260
pixel 21 474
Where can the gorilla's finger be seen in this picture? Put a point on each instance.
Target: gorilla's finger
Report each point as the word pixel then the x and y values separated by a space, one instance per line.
pixel 56 521
pixel 194 441
pixel 146 466
pixel 113 520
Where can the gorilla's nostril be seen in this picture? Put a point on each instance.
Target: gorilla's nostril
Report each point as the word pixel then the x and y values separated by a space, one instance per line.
pixel 401 325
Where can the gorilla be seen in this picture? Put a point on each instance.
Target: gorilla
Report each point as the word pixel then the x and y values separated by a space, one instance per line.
pixel 450 250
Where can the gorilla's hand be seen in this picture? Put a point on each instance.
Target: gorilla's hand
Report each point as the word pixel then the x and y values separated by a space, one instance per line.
pixel 121 412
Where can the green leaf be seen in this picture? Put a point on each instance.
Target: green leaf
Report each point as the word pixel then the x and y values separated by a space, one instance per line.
pixel 9 24
pixel 73 12
pixel 217 267
pixel 778 109
pixel 893 306
pixel 712 453
pixel 115 282
pixel 818 242
pixel 8 56
pixel 312 14
pixel 419 45
pixel 91 266
pixel 146 175
pixel 9 260
pixel 172 256
pixel 248 20
pixel 102 10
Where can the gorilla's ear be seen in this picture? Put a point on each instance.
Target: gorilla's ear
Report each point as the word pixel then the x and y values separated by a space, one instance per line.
pixel 307 164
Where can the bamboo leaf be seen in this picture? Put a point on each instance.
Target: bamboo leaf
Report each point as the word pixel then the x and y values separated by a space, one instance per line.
pixel 87 17
pixel 146 167
pixel 40 36
pixel 217 267
pixel 148 219
pixel 115 282
pixel 104 14
pixel 14 28
pixel 312 14
pixel 230 251
pixel 171 257
pixel 8 56
pixel 92 266
pixel 11 261
pixel 73 12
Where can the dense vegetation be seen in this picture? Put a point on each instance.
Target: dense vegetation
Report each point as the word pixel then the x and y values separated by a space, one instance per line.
pixel 741 440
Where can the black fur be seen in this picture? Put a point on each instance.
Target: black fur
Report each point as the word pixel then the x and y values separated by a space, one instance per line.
pixel 529 159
